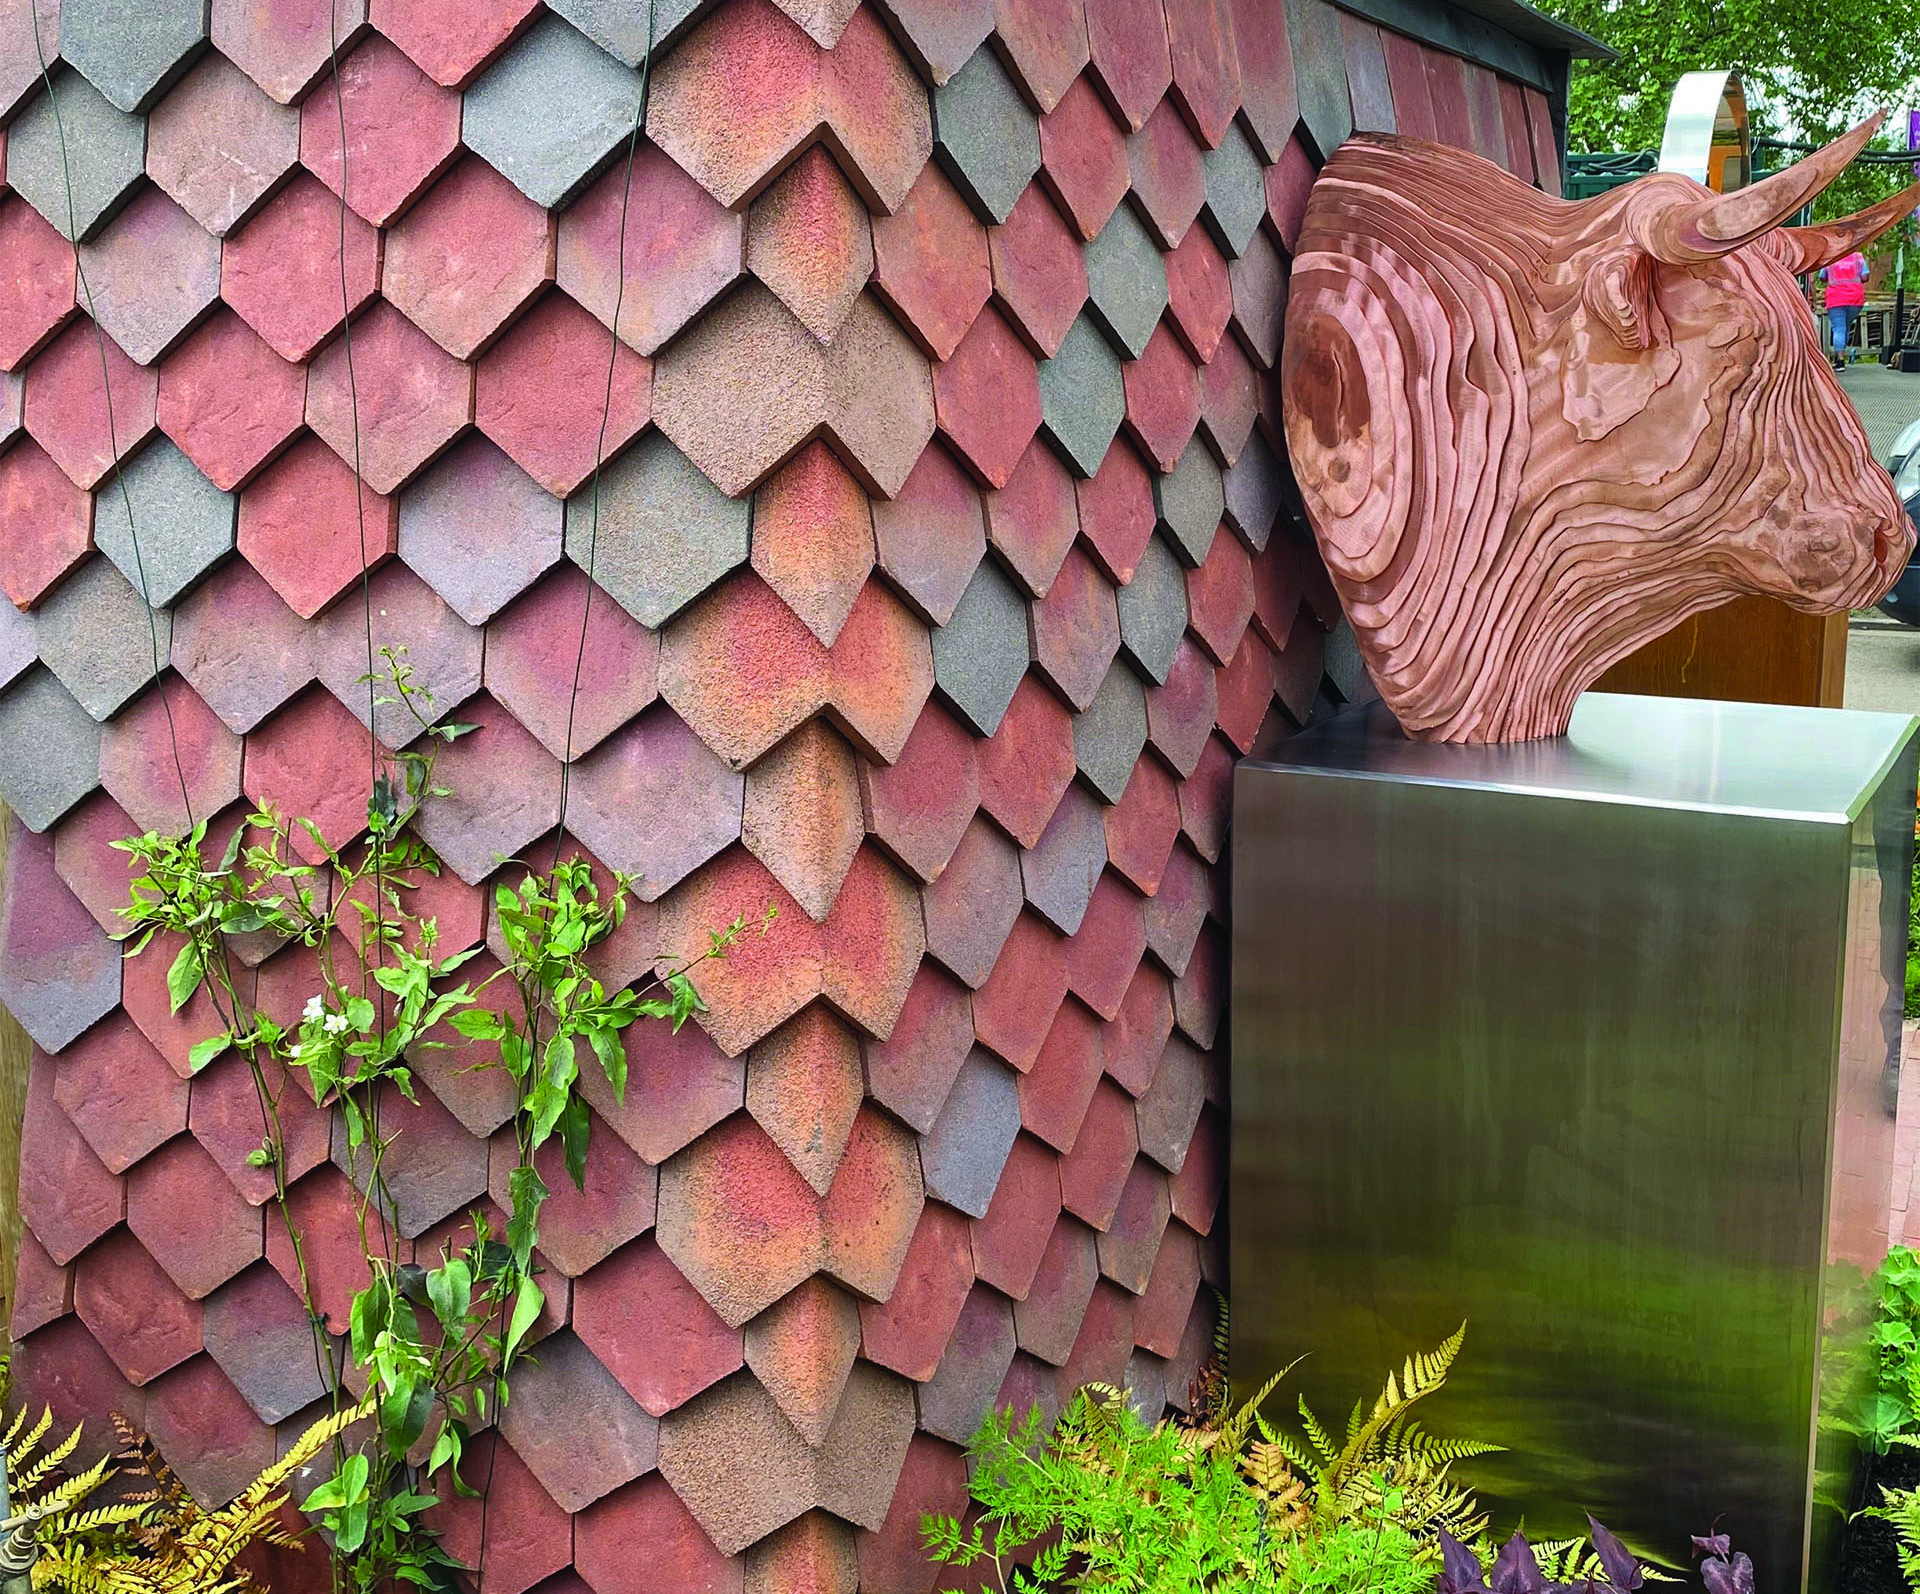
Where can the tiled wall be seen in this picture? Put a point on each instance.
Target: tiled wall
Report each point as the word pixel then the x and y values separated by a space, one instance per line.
pixel 942 568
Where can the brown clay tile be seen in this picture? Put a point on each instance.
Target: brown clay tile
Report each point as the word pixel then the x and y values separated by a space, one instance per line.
pixel 1198 1186
pixel 286 45
pixel 49 524
pixel 580 1227
pixel 742 669
pixel 1116 511
pixel 468 257
pixel 909 1330
pixel 809 241
pixel 1010 1240
pixel 1199 294
pixel 190 1219
pixel 1142 826
pixel 67 404
pixel 932 535
pixel 1028 763
pixel 452 40
pixel 931 263
pixel 402 130
pixel 1206 69
pixel 1245 687
pixel 920 806
pixel 882 673
pixel 1128 1248
pixel 229 401
pixel 638 1314
pixel 963 1390
pixel 78 1382
pixel 1048 1316
pixel 1168 179
pixel 941 35
pixel 802 1349
pixel 38 264
pixel 510 1529
pixel 1104 953
pixel 1220 598
pixel 119 1093
pixel 814 1555
pixel 1174 913
pixel 911 1071
pixel 85 858
pixel 987 397
pixel 227 1119
pixel 1093 1174
pixel 1060 1082
pixel 1181 713
pixel 42 1289
pixel 1033 518
pixel 1084 158
pixel 1259 279
pixel 1160 1315
pixel 67 1197
pixel 1163 399
pixel 1267 94
pixel 813 539
pixel 644 1526
pixel 682 248
pixel 1229 399
pixel 933 1478
pixel 1039 275
pixel 577 1430
pixel 406 401
pixel 282 271
pixel 804 1088
pixel 301 528
pixel 971 908
pixel 678 1086
pixel 1104 1341
pixel 311 761
pixel 1131 63
pixel 1134 1043
pixel 1046 42
pixel 1076 630
pixel 542 393
pixel 1014 1010
pixel 133 1310
pixel 1200 992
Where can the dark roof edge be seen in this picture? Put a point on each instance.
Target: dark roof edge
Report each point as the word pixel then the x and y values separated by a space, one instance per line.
pixel 1536 27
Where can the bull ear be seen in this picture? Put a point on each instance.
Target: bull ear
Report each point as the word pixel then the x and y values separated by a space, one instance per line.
pixel 1619 350
pixel 1678 223
pixel 1809 248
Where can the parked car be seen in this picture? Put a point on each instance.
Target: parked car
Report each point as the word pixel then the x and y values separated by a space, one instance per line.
pixel 1903 464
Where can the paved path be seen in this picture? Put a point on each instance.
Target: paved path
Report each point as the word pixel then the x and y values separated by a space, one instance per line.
pixel 1883 657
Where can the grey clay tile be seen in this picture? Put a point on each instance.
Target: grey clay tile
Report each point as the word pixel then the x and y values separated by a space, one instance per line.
pixel 1109 736
pixel 1236 192
pixel 1082 398
pixel 131 52
pixel 984 136
pixel 1126 282
pixel 181 524
pixel 103 642
pixel 55 757
pixel 620 26
pixel 105 154
pixel 478 529
pixel 962 1155
pixel 550 111
pixel 1254 492
pixel 981 653
pixel 1153 611
pixel 1190 501
pixel 664 532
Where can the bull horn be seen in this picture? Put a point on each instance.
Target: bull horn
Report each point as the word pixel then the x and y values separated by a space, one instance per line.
pixel 1687 232
pixel 1810 248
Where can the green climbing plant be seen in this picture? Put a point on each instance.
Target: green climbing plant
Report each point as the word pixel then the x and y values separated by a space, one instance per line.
pixel 432 1348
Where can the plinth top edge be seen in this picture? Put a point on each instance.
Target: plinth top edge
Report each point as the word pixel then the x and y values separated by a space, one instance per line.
pixel 1762 759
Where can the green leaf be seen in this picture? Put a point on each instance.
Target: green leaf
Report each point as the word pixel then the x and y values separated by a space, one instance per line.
pixel 527 1302
pixel 527 1192
pixel 612 1054
pixel 203 1052
pixel 184 977
pixel 574 1128
pixel 360 1013
pixel 446 1448
pixel 450 1290
pixel 371 1309
pixel 478 1024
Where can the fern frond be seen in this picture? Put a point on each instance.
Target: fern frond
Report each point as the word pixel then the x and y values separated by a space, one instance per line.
pixel 26 1481
pixel 20 1446
pixel 1317 1436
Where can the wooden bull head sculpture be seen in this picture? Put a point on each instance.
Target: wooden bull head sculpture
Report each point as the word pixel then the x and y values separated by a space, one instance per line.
pixel 1533 434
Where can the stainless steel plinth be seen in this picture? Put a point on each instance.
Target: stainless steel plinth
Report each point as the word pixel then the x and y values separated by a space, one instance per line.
pixel 1591 1043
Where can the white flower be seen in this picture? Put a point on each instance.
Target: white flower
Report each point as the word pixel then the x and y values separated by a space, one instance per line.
pixel 336 1022
pixel 293 1051
pixel 315 1009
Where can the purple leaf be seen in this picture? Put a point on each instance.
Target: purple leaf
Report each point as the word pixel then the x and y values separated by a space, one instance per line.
pixel 1516 1571
pixel 1713 1544
pixel 1622 1570
pixel 1728 1577
pixel 1459 1568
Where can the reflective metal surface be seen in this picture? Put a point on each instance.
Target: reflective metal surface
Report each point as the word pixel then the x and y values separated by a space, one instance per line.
pixel 1707 136
pixel 1585 1042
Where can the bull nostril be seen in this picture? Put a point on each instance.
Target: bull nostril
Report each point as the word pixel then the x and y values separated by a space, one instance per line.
pixel 1881 547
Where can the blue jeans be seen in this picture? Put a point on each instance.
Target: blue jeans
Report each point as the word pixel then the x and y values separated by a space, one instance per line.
pixel 1841 317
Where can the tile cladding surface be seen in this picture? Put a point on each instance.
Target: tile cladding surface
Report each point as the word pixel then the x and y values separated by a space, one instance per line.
pixel 933 576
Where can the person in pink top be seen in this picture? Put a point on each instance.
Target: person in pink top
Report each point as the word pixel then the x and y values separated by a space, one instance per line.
pixel 1846 281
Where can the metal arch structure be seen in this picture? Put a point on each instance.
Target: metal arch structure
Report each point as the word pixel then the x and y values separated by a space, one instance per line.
pixel 1709 136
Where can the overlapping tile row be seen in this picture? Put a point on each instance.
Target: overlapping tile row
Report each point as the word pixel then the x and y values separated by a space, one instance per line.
pixel 941 564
